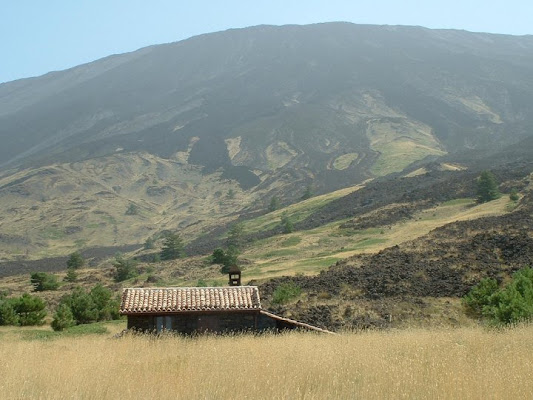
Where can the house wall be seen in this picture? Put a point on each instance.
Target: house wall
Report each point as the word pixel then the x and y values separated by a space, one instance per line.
pixel 189 323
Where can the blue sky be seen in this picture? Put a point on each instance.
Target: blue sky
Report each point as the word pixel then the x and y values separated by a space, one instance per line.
pixel 41 36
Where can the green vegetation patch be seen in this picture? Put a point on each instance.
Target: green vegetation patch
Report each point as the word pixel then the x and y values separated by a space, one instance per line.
pixel 285 293
pixel 78 330
pixel 396 155
pixel 318 262
pixel 292 241
pixel 52 233
pixel 279 253
pixel 344 161
pixel 459 202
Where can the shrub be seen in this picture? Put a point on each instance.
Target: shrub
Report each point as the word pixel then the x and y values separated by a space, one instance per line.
pixel 124 268
pixel 63 318
pixel 285 292
pixel 480 296
pixel 42 281
pixel 149 243
pixel 106 306
pixel 286 223
pixel 510 304
pixel 513 196
pixel 274 204
pixel 514 303
pixel 72 275
pixel 218 256
pixel 30 310
pixel 133 209
pixel 8 316
pixel 172 247
pixel 82 306
pixel 487 187
pixel 75 260
pixel 86 307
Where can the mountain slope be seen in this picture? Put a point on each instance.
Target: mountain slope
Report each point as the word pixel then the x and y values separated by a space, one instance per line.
pixel 343 101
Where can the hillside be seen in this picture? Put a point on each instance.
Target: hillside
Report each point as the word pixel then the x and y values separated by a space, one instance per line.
pixel 388 129
pixel 342 101
pixel 263 111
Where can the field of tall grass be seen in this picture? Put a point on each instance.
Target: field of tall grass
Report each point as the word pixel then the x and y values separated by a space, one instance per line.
pixel 466 363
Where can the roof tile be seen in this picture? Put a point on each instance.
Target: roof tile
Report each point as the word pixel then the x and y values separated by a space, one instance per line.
pixel 184 299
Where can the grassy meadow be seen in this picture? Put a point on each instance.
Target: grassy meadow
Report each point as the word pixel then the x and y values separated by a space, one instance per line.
pixel 465 363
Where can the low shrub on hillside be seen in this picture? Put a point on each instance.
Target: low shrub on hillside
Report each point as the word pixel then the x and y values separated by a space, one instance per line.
pixel 510 304
pixel 285 292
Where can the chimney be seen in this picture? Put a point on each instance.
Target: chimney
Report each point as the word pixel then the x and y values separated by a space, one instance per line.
pixel 234 276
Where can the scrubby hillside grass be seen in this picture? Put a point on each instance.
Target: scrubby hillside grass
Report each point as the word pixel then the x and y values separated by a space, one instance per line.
pixel 310 251
pixel 444 364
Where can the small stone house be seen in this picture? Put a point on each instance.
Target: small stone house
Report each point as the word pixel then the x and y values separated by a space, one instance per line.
pixel 190 310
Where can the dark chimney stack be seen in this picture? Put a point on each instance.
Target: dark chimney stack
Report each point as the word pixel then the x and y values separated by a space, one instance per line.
pixel 234 276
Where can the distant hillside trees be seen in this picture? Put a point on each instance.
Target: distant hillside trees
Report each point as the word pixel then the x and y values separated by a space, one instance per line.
pixel 172 247
pixel 487 187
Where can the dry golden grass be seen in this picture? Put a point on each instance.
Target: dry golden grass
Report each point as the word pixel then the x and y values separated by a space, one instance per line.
pixel 411 364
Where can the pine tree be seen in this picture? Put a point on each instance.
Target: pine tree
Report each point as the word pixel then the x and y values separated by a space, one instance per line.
pixel 172 247
pixel 308 193
pixel 286 223
pixel 274 204
pixel 72 275
pixel 124 268
pixel 75 260
pixel 30 309
pixel 487 187
pixel 235 235
pixel 63 318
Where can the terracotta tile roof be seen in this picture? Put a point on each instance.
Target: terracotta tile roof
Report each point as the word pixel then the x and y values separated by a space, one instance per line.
pixel 184 299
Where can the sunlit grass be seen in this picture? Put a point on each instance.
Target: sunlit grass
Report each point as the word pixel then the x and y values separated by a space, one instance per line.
pixel 411 364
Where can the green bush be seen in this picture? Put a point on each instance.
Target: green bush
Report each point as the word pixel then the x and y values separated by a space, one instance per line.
pixel 71 276
pixel 82 306
pixel 124 268
pixel 75 260
pixel 8 316
pixel 480 296
pixel 42 281
pixel 63 318
pixel 172 247
pixel 487 187
pixel 30 310
pixel 218 256
pixel 106 305
pixel 227 258
pixel 97 305
pixel 286 223
pixel 513 196
pixel 510 304
pixel 285 292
